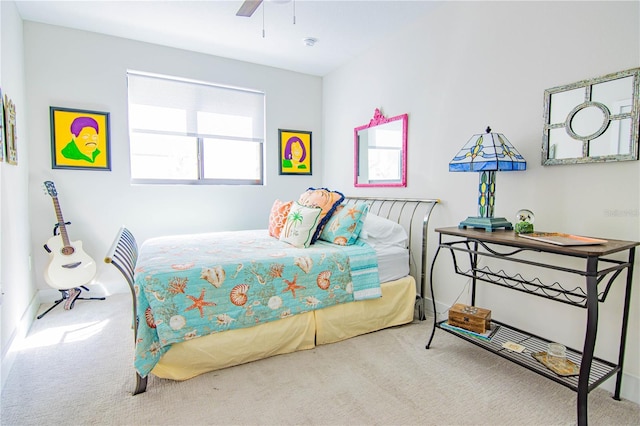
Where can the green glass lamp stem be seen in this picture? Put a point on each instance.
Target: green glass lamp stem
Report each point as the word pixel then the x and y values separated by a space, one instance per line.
pixel 487 193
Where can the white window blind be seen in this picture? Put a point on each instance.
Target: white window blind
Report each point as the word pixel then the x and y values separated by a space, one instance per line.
pixel 185 131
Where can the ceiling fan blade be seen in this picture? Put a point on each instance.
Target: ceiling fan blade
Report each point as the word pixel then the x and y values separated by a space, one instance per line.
pixel 248 7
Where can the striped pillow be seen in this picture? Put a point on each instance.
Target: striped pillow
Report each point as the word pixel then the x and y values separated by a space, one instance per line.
pixel 278 216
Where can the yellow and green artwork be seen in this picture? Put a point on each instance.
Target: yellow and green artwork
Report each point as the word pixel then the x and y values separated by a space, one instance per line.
pixel 295 152
pixel 79 139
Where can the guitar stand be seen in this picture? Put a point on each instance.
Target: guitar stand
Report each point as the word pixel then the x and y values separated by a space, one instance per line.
pixel 65 295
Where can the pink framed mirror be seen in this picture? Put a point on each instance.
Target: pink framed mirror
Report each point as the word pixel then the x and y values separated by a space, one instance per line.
pixel 380 152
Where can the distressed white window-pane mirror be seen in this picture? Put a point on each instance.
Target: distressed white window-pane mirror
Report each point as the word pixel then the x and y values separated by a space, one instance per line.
pixel 594 120
pixel 380 151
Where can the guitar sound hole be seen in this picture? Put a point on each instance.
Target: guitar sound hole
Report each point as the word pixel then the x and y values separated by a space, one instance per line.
pixel 67 250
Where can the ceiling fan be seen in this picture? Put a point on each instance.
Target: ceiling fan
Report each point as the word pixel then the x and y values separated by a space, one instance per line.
pixel 248 7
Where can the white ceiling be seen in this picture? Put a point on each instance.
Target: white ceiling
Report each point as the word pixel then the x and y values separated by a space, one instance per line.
pixel 344 29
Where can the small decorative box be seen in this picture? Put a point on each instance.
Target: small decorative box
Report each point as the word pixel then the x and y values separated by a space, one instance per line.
pixel 470 317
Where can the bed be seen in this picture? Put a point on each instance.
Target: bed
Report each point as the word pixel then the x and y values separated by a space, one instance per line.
pixel 364 286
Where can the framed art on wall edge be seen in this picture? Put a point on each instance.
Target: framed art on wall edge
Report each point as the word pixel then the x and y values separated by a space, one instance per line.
pixel 295 152
pixel 79 139
pixel 10 138
pixel 1 128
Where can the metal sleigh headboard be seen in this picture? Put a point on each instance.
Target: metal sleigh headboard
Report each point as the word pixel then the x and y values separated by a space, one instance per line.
pixel 413 215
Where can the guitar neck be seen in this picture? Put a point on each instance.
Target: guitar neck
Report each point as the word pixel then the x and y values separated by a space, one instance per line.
pixel 61 224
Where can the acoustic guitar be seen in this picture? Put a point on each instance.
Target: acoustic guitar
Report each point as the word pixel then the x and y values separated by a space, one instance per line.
pixel 69 266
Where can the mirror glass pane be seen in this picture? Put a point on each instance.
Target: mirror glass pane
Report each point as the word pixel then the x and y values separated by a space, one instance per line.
pixel 380 152
pixel 588 121
pixel 563 103
pixel 614 140
pixel 564 146
pixel 613 92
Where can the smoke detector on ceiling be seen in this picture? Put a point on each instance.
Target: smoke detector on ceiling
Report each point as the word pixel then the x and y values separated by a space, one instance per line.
pixel 310 41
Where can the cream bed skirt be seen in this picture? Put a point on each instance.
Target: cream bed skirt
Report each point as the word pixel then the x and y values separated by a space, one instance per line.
pixel 188 359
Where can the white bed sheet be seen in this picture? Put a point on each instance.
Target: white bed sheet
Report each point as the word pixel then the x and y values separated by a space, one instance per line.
pixel 393 262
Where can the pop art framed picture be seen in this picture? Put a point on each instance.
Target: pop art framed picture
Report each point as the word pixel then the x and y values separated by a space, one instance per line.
pixel 79 139
pixel 295 152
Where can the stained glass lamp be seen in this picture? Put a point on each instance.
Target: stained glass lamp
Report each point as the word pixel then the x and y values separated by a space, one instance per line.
pixel 487 153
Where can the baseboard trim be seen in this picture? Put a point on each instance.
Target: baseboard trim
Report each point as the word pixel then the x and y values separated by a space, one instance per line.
pixel 630 387
pixel 630 383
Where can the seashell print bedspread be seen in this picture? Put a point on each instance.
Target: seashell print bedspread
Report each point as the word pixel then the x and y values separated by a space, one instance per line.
pixel 194 285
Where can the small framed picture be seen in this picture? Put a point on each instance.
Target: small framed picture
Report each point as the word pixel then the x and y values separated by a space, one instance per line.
pixel 10 138
pixel 1 127
pixel 295 152
pixel 79 139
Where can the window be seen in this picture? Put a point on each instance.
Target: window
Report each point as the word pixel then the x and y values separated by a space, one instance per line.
pixel 192 132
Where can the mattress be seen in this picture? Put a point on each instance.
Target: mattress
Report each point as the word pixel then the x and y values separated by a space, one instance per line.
pixel 393 262
pixel 304 331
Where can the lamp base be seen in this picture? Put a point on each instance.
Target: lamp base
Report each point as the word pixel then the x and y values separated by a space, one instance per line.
pixel 488 223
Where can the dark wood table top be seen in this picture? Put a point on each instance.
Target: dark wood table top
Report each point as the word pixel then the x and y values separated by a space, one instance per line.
pixel 511 238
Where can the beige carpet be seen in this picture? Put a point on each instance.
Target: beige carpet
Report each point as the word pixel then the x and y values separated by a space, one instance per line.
pixel 75 369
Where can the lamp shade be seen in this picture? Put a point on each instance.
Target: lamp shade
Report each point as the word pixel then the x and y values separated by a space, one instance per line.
pixel 487 152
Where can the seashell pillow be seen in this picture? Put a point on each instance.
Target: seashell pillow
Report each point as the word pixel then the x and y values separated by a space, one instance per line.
pixel 278 216
pixel 324 198
pixel 344 226
pixel 300 226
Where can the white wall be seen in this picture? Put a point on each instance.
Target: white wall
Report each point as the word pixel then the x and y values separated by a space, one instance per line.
pixel 471 64
pixel 75 69
pixel 18 302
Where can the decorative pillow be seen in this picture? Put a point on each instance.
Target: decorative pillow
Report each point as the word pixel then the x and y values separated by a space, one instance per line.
pixel 378 231
pixel 278 216
pixel 344 226
pixel 300 226
pixel 324 198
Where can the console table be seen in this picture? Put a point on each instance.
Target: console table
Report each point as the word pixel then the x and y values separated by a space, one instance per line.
pixel 468 246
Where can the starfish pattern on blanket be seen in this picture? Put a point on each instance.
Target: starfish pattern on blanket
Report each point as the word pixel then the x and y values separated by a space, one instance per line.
pixel 199 303
pixel 292 286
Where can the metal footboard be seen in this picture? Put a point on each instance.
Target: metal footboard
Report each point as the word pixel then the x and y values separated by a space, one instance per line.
pixel 123 254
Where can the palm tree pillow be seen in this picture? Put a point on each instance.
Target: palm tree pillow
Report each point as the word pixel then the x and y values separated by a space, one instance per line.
pixel 301 224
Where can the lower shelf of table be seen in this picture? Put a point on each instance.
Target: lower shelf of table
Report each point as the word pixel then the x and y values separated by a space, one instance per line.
pixel 601 370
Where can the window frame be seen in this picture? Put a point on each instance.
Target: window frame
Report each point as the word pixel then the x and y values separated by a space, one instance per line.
pixel 199 138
